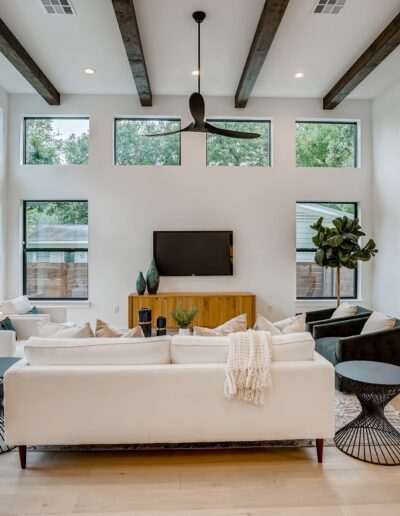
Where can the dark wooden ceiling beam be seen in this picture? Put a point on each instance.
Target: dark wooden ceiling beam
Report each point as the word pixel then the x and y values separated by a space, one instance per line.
pixel 12 49
pixel 383 45
pixel 267 27
pixel 126 17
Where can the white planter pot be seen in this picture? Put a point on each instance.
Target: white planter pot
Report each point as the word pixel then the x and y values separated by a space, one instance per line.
pixel 184 331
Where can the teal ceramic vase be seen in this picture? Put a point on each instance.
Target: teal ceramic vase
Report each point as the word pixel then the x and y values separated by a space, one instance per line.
pixel 152 278
pixel 140 284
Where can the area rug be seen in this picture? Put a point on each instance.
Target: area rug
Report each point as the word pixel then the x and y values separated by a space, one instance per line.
pixel 347 407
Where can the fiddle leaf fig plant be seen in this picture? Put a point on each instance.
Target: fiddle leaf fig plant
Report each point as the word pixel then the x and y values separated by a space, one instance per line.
pixel 338 246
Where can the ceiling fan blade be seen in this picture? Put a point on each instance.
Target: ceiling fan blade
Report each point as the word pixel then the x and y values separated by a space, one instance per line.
pixel 231 134
pixel 196 105
pixel 187 128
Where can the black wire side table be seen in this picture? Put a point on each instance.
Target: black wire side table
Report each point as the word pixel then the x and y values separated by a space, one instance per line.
pixel 370 437
pixel 5 363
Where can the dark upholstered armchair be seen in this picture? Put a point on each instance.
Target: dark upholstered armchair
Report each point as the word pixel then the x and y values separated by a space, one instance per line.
pixel 340 341
pixel 324 316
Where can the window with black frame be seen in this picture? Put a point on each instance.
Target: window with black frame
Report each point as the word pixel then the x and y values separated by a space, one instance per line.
pixel 313 281
pixel 236 152
pixel 55 250
pixel 133 147
pixel 327 144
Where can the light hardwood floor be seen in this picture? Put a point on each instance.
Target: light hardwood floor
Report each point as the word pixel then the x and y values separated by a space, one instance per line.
pixel 269 482
pixel 272 482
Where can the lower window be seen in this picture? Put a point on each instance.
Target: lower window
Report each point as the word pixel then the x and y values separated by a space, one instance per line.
pixel 55 249
pixel 313 281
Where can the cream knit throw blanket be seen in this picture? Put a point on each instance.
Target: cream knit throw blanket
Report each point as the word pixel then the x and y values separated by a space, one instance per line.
pixel 248 372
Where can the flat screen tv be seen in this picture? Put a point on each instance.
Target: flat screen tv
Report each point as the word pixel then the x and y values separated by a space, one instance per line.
pixel 193 253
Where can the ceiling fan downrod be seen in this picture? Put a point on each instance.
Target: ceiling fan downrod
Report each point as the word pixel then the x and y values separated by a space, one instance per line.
pixel 198 17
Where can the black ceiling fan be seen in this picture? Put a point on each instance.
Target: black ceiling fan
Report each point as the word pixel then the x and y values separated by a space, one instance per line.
pixel 196 104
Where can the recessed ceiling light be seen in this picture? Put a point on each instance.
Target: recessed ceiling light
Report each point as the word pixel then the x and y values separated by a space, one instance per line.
pixel 196 72
pixel 299 75
pixel 89 71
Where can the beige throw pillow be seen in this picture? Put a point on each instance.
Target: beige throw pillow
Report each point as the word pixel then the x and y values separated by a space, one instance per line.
pixel 105 330
pixel 234 325
pixel 262 323
pixel 295 324
pixel 378 322
pixel 344 310
pixel 66 331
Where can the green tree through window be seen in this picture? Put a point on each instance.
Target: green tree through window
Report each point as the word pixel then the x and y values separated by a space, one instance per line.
pixel 132 147
pixel 235 152
pixel 56 141
pixel 322 144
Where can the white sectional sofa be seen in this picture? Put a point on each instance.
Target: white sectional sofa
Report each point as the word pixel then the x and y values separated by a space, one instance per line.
pixel 158 390
pixel 12 343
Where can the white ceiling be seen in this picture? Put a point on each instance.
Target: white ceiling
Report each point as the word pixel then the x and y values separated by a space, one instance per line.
pixel 321 46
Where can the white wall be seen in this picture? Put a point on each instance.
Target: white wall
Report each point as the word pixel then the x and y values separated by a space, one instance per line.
pixel 386 201
pixel 3 185
pixel 127 203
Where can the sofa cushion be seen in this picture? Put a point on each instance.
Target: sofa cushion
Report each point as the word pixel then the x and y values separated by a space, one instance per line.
pixel 344 310
pixel 64 331
pixel 19 305
pixel 98 351
pixel 378 322
pixel 104 330
pixel 203 350
pixel 236 324
pixel 262 323
pixel 295 324
pixel 27 325
pixel 327 347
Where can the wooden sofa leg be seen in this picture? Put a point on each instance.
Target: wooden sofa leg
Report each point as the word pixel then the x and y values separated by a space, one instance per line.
pixel 22 456
pixel 320 449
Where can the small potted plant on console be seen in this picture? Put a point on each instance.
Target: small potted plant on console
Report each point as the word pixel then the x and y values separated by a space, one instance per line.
pixel 184 318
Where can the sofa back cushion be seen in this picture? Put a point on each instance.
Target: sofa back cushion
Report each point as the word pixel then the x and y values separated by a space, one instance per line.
pixel 204 350
pixel 98 351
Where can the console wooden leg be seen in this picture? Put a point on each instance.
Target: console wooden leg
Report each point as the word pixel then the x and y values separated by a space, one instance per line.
pixel 22 456
pixel 320 448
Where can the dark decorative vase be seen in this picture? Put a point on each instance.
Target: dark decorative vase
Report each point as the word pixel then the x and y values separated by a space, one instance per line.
pixel 152 278
pixel 140 284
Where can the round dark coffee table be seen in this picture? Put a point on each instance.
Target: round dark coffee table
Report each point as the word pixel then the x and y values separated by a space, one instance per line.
pixel 370 437
pixel 5 363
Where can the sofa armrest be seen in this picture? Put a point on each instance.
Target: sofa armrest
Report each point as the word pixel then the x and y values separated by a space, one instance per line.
pixel 345 328
pixel 58 314
pixel 380 346
pixel 7 343
pixel 310 325
pixel 318 315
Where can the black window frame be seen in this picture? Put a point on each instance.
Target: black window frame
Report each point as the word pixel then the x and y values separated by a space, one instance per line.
pixel 26 249
pixel 330 122
pixel 145 119
pixel 313 250
pixel 49 117
pixel 263 120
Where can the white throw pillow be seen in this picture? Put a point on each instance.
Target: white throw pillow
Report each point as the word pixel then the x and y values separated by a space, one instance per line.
pixel 378 322
pixel 19 305
pixel 98 351
pixel 295 324
pixel 263 324
pixel 344 310
pixel 58 331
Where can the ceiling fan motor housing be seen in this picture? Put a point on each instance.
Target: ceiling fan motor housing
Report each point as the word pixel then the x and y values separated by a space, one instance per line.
pixel 199 16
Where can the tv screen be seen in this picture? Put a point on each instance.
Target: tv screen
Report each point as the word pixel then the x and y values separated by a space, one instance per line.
pixel 193 253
